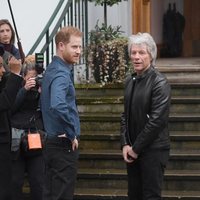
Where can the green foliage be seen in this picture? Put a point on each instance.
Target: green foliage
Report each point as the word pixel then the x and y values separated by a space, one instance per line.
pixel 104 33
pixel 108 2
pixel 107 54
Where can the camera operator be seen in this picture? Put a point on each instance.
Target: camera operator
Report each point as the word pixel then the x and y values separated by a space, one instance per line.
pixel 8 92
pixel 26 118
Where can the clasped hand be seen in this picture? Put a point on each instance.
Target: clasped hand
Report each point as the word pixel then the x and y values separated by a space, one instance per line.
pixel 128 154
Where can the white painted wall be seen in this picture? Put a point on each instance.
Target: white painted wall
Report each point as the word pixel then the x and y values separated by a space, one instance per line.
pixel 157 8
pixel 30 17
pixel 117 15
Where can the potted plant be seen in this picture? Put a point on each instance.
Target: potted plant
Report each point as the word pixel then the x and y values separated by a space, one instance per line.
pixel 107 54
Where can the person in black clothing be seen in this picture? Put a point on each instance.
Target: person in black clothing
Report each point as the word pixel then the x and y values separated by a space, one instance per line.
pixel 173 28
pixel 144 122
pixel 26 117
pixel 8 92
pixel 179 29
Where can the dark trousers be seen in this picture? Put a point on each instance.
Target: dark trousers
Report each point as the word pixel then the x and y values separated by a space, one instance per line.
pixel 60 169
pixel 5 171
pixel 145 175
pixel 34 167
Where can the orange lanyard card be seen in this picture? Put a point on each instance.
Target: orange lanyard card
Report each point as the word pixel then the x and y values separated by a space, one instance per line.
pixel 34 141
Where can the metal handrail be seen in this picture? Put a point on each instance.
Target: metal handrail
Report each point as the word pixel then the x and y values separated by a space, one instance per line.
pixel 73 15
pixel 57 26
pixel 43 33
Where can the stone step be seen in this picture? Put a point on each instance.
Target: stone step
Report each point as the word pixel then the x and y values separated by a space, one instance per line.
pixel 185 104
pixel 181 140
pixel 184 140
pixel 184 122
pixel 100 140
pixel 100 100
pixel 104 100
pixel 111 121
pixel 110 104
pixel 184 160
pixel 117 90
pixel 96 90
pixel 101 135
pixel 117 179
pixel 113 117
pixel 185 89
pixel 100 108
pixel 112 159
pixel 121 194
pixel 184 135
pixel 179 67
pixel 181 73
pixel 187 62
pixel 100 104
pixel 181 78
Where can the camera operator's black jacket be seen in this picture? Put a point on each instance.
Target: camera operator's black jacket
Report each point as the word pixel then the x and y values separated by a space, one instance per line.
pixel 149 95
pixel 25 112
pixel 8 93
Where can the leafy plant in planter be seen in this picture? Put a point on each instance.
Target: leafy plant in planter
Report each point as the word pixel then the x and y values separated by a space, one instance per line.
pixel 107 54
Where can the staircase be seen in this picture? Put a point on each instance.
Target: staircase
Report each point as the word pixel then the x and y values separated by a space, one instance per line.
pixel 102 171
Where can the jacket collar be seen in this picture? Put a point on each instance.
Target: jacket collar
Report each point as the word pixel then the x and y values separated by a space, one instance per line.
pixel 145 73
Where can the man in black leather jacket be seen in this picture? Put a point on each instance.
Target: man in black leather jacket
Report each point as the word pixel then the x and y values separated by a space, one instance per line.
pixel 144 123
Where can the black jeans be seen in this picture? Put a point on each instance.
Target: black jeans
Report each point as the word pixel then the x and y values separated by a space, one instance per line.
pixel 5 171
pixel 60 169
pixel 34 166
pixel 145 175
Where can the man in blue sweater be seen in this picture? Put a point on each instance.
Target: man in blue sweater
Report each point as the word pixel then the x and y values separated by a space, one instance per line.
pixel 60 116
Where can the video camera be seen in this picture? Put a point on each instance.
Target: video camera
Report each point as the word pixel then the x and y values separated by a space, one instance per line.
pixel 39 67
pixel 39 62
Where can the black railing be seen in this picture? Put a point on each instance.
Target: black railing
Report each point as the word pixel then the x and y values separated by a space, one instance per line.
pixel 67 12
